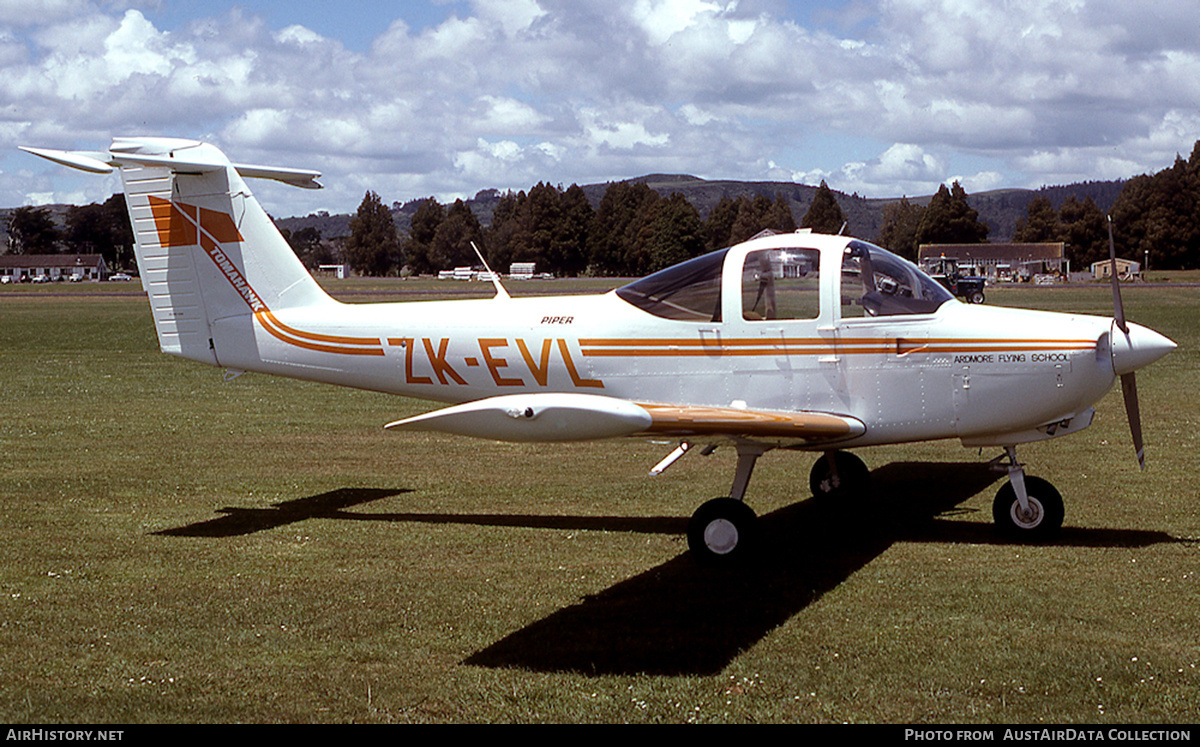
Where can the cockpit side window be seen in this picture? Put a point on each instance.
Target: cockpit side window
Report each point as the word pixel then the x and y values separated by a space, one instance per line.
pixel 876 282
pixel 689 291
pixel 781 284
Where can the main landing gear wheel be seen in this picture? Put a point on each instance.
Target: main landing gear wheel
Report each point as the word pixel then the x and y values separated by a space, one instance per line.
pixel 1044 517
pixel 850 478
pixel 722 531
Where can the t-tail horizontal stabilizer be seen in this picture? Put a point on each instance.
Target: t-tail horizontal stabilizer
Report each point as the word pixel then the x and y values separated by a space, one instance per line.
pixel 121 155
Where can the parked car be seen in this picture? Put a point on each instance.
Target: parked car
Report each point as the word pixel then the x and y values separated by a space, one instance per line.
pixel 120 276
pixel 967 287
pixel 970 289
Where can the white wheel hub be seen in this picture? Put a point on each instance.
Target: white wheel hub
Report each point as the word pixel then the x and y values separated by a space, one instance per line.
pixel 721 536
pixel 1027 519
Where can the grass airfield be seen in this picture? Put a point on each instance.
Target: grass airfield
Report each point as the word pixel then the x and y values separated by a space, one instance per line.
pixel 175 548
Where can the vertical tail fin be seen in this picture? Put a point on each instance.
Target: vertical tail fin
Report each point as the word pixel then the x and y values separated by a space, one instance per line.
pixel 206 250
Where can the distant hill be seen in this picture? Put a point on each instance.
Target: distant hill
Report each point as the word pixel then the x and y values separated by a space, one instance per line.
pixel 1000 209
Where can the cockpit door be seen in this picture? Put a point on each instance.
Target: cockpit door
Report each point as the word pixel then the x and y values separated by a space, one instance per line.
pixel 777 305
pixel 885 352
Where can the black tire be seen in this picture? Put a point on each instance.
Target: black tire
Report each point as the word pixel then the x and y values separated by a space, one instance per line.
pixel 854 479
pixel 976 297
pixel 1046 511
pixel 722 531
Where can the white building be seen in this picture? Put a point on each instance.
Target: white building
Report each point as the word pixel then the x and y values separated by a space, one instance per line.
pixel 16 268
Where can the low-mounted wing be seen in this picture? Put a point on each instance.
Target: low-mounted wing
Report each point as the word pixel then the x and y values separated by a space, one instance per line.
pixel 691 420
pixel 582 417
pixel 534 417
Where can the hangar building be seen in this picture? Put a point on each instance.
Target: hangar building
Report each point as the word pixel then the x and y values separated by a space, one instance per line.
pixel 996 262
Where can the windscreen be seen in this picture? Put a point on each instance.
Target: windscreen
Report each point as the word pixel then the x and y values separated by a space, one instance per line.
pixel 689 291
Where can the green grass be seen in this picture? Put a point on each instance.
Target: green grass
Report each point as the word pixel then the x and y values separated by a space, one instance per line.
pixel 178 549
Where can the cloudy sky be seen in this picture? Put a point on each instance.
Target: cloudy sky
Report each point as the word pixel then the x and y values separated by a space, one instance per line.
pixel 413 99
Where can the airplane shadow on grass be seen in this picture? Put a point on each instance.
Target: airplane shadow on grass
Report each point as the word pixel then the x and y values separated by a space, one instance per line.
pixel 239 521
pixel 684 619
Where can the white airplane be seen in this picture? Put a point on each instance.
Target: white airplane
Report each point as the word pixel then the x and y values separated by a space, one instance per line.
pixel 789 341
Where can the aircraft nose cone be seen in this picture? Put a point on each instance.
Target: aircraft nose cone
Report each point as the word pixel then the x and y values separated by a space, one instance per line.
pixel 1139 347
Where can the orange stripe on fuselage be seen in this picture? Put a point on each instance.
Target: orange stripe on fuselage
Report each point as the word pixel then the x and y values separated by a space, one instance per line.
pixel 663 347
pixel 318 337
pixel 282 332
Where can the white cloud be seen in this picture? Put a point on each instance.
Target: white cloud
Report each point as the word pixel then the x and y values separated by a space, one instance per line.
pixel 297 34
pixel 621 135
pixel 981 181
pixel 39 198
pixel 34 12
pixel 507 115
pixel 513 16
pixel 905 162
pixel 659 20
pixel 696 116
pixel 508 93
pixel 902 169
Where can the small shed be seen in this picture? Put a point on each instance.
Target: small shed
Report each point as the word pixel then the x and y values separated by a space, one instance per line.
pixel 1127 269
pixel 341 272
pixel 521 270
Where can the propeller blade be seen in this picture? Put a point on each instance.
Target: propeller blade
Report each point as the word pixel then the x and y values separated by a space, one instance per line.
pixel 1133 411
pixel 1118 307
pixel 1134 414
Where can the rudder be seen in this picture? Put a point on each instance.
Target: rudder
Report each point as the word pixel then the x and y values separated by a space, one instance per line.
pixel 206 250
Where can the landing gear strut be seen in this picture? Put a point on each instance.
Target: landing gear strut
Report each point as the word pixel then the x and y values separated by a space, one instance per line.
pixel 1026 507
pixel 724 530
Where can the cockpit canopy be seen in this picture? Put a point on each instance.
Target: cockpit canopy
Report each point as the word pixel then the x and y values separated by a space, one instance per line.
pixel 689 291
pixel 779 282
pixel 888 285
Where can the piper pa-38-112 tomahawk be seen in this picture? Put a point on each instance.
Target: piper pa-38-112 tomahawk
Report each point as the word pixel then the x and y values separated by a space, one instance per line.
pixel 795 341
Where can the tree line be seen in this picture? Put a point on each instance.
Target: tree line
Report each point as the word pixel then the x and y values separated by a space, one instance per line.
pixel 632 232
pixel 1158 216
pixel 1155 219
pixel 947 219
pixel 89 229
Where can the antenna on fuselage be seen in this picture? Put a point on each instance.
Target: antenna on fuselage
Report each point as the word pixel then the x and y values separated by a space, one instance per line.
pixel 500 292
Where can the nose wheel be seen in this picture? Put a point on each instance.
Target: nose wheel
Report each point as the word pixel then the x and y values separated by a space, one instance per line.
pixel 1027 507
pixel 1040 518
